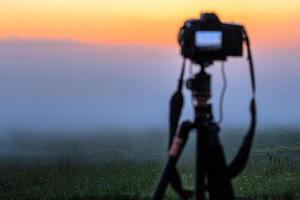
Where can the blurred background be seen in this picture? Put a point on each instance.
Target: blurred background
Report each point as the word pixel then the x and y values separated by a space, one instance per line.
pixel 73 65
pixel 85 88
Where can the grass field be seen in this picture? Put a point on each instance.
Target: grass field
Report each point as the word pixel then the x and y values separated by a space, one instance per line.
pixel 123 165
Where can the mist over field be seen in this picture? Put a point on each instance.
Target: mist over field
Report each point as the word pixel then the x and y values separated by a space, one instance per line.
pixel 67 85
pixel 82 121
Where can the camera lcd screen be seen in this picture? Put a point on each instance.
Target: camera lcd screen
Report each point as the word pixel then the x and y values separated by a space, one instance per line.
pixel 208 40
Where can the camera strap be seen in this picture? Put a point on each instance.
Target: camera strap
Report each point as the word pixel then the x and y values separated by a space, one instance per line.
pixel 176 105
pixel 251 65
pixel 240 160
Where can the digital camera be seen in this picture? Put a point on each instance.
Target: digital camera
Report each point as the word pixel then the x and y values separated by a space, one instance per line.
pixel 207 39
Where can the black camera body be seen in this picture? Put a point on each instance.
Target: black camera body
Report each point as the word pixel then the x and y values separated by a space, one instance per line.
pixel 207 39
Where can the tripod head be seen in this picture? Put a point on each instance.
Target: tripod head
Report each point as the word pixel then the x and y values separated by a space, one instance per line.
pixel 200 86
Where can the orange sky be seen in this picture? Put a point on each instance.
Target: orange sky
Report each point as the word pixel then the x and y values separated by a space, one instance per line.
pixel 269 22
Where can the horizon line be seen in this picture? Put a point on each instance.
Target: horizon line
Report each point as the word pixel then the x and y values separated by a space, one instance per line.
pixel 64 40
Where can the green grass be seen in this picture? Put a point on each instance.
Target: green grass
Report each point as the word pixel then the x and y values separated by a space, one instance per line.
pixel 127 166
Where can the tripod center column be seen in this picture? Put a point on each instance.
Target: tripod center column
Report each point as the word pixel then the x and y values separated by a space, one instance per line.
pixel 200 86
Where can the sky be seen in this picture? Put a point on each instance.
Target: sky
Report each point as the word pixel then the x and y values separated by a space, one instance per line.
pixel 271 22
pixel 73 86
pixel 87 64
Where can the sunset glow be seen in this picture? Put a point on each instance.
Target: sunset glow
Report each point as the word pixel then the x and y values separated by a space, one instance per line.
pixel 144 22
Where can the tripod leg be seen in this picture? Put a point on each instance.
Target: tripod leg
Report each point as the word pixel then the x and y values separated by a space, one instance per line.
pixel 175 180
pixel 176 184
pixel 219 185
pixel 201 157
pixel 174 154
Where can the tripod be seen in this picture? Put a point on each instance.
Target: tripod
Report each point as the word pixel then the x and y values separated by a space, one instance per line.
pixel 212 172
pixel 210 161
